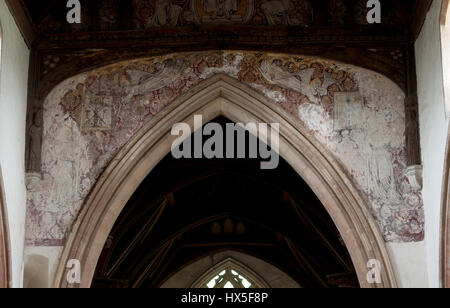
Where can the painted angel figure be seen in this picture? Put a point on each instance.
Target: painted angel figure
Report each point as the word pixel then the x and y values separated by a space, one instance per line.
pixel 300 82
pixel 145 83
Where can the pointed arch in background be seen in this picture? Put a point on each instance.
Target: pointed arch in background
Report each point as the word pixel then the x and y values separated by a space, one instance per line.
pixel 192 275
pixel 222 95
pixel 231 264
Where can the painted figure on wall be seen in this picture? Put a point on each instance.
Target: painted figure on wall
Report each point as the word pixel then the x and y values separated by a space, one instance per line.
pixel 361 126
pixel 143 82
pixel 34 143
pixel 109 15
pixel 166 14
pixel 221 8
pixel 300 82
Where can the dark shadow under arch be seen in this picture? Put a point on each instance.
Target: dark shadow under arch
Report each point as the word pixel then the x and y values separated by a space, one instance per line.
pixel 187 209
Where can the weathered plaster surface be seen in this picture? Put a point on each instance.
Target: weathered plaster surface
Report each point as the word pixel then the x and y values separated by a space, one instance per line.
pixel 13 105
pixel 433 132
pixel 410 264
pixel 358 115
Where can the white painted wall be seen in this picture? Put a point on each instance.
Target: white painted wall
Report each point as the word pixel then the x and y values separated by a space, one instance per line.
pixel 433 130
pixel 13 102
pixel 445 38
pixel 410 264
pixel 52 254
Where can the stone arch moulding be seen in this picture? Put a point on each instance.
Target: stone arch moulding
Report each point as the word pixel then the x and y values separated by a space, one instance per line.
pixel 222 95
pixel 445 49
pixel 445 225
pixel 445 13
pixel 5 274
pixel 445 211
pixel 5 260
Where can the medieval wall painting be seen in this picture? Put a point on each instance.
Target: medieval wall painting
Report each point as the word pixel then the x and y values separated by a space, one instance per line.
pixel 222 11
pixel 171 13
pixel 117 15
pixel 165 13
pixel 348 110
pixel 357 115
pixel 97 113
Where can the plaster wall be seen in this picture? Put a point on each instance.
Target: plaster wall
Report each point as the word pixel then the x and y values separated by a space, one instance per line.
pixel 433 131
pixel 410 264
pixel 13 106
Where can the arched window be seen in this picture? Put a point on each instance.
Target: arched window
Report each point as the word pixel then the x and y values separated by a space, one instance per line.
pixel 445 43
pixel 230 274
pixel 229 279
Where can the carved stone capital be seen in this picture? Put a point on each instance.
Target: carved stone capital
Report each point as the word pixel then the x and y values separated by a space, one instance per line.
pixel 32 180
pixel 415 177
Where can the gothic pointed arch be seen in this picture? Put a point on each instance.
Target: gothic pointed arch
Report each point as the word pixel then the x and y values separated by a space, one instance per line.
pixel 223 95
pixel 232 272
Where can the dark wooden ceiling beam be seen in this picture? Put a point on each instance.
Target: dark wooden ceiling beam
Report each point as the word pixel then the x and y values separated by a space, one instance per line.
pixel 402 12
pixel 315 231
pixel 23 20
pixel 419 14
pixel 320 12
pixel 46 12
pixel 304 263
pixel 252 35
pixel 139 237
pixel 343 280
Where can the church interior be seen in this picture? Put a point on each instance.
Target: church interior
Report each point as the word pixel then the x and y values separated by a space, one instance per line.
pixel 322 158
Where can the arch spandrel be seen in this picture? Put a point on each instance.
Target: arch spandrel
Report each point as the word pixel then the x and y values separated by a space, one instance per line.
pixel 145 90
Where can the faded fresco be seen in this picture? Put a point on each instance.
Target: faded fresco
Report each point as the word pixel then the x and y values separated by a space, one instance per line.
pixel 114 15
pixel 171 13
pixel 358 115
